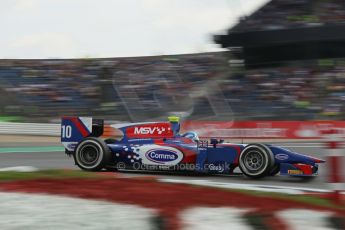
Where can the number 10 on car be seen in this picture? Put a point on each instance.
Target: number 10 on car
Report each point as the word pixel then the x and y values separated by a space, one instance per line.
pixel 66 131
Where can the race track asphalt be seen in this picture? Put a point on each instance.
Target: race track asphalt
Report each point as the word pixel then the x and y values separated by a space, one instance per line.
pixel 51 156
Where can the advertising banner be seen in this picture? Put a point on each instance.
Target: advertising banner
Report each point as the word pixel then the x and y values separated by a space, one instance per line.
pixel 263 129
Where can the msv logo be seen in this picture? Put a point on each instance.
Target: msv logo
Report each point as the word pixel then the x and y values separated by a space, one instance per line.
pixel 148 130
pixel 161 155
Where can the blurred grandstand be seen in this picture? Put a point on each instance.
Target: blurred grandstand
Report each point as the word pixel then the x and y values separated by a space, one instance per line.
pixel 293 54
pixel 284 14
pixel 144 88
pixel 294 70
pixel 115 88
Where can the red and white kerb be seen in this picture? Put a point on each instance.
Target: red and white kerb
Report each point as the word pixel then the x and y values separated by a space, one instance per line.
pixel 334 144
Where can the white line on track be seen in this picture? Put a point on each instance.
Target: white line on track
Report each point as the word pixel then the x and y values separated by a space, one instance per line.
pixel 300 146
pixel 254 187
pixel 19 169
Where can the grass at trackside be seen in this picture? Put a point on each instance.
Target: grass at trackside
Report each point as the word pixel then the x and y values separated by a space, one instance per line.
pixel 306 199
pixel 11 119
pixel 31 149
pixel 302 198
pixel 63 174
pixel 49 174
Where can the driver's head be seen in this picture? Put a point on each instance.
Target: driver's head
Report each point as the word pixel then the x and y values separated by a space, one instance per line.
pixel 175 124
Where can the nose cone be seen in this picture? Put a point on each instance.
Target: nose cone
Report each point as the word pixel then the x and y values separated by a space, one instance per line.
pixel 317 160
pixel 294 157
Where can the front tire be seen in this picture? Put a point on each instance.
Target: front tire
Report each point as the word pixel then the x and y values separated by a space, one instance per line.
pixel 256 161
pixel 92 154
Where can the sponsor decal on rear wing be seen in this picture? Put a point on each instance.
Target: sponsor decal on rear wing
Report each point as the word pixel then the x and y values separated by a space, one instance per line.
pixel 151 130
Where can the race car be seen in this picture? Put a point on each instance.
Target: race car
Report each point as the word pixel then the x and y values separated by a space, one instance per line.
pixel 160 146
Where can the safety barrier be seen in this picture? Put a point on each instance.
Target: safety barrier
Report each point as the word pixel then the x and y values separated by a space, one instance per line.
pixel 225 130
pixel 29 129
pixel 263 129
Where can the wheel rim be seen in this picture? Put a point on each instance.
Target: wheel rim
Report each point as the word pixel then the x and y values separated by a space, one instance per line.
pixel 89 155
pixel 254 161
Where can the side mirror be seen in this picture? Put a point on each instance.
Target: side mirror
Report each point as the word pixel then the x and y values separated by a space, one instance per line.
pixel 214 141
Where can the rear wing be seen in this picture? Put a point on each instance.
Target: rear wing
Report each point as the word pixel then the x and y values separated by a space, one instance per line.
pixel 75 129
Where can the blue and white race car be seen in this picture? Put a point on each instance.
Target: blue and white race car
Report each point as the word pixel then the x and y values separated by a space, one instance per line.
pixel 160 146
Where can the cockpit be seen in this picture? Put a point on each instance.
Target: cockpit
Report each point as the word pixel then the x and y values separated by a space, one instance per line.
pixel 191 135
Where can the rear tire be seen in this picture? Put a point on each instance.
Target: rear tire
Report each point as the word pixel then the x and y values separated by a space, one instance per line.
pixel 256 161
pixel 92 154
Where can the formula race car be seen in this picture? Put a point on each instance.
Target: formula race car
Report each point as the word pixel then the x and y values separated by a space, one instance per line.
pixel 160 146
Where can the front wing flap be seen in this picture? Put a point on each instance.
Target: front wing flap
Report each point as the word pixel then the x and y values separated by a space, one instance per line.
pixel 299 170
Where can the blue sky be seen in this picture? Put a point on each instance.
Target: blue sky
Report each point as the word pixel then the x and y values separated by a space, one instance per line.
pixel 114 28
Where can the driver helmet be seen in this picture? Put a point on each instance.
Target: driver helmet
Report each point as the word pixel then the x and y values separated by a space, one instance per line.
pixel 191 135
